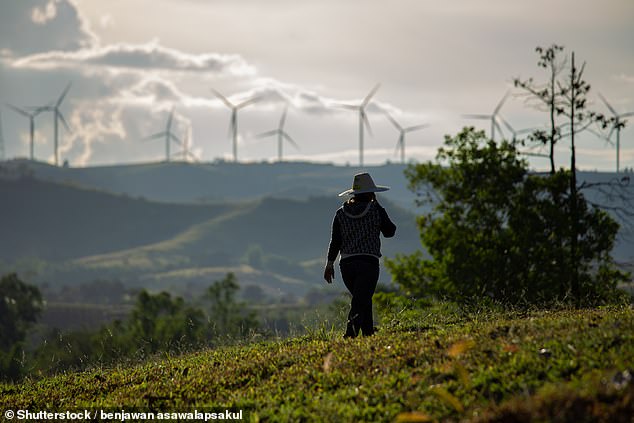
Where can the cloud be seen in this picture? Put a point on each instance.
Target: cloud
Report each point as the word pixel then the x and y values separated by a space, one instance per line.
pixel 33 26
pixel 625 78
pixel 151 55
pixel 123 92
pixel 41 15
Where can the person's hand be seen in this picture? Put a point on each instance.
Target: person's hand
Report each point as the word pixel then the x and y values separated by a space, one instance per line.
pixel 329 273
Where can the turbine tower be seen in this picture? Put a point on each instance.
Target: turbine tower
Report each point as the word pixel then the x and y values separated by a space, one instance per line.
pixel 31 116
pixel 492 117
pixel 167 134
pixel 2 157
pixel 363 118
pixel 400 144
pixel 619 123
pixel 57 117
pixel 281 135
pixel 233 126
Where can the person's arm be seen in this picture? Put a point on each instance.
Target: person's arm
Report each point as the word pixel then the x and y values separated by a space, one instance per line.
pixel 333 250
pixel 388 228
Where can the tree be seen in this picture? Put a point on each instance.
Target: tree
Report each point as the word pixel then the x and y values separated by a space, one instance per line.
pixel 20 305
pixel 159 322
pixel 547 96
pixel 491 228
pixel 227 317
pixel 567 98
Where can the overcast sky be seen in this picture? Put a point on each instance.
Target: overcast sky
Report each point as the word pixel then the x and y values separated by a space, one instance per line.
pixel 131 61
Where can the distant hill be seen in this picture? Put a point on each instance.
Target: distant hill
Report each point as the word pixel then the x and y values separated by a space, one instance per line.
pixel 84 234
pixel 58 221
pixel 180 182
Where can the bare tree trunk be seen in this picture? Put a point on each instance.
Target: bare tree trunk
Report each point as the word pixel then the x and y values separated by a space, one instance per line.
pixel 574 213
pixel 553 129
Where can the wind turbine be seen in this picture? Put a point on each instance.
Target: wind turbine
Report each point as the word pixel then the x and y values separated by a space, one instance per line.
pixel 57 116
pixel 400 144
pixel 185 153
pixel 493 117
pixel 513 131
pixel 281 135
pixel 31 116
pixel 619 123
pixel 169 136
pixel 363 118
pixel 518 132
pixel 233 126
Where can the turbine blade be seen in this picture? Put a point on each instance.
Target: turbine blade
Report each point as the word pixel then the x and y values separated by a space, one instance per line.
pixel 283 118
pixel 602 136
pixel 268 133
pixel 628 114
pixel 508 125
pixel 501 103
pixel 416 128
pixel 366 122
pixel 41 109
pixel 608 104
pixel 61 97
pixel 482 117
pixel 154 136
pixel 611 132
pixel 170 119
pixel 289 139
pixel 394 122
pixel 61 117
pixel 528 153
pixel 369 96
pixel 248 102
pixel 174 138
pixel 223 99
pixel 498 127
pixel 399 145
pixel 18 110
pixel 348 106
pixel 524 131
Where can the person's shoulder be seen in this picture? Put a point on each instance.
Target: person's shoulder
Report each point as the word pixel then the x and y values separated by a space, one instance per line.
pixel 377 206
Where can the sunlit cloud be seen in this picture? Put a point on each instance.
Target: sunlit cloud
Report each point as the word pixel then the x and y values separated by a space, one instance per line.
pixel 41 15
pixel 150 56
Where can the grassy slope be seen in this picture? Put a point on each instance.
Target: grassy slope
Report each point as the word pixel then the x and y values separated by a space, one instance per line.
pixel 437 365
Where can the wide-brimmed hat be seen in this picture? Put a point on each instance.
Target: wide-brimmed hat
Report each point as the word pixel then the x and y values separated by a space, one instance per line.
pixel 363 183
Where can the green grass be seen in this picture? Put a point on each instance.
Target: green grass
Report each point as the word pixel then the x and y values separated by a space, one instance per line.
pixel 440 363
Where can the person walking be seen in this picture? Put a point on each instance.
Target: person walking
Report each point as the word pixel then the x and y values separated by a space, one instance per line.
pixel 356 230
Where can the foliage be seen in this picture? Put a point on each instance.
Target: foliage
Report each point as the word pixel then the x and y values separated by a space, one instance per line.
pixel 158 323
pixel 162 323
pixel 445 364
pixel 227 316
pixel 20 305
pixel 497 231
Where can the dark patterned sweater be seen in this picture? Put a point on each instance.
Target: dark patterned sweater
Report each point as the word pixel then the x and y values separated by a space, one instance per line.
pixel 356 230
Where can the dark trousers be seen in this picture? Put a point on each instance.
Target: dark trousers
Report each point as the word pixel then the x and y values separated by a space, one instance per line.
pixel 360 274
